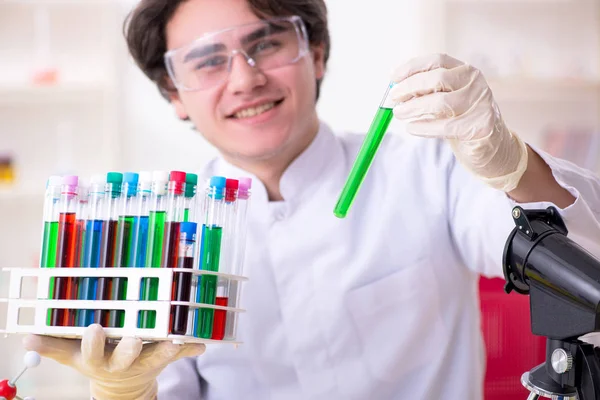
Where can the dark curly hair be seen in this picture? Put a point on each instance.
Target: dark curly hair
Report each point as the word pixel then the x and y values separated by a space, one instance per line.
pixel 145 34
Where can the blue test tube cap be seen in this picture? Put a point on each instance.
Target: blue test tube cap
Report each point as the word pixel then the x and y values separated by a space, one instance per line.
pixel 188 229
pixel 217 187
pixel 131 180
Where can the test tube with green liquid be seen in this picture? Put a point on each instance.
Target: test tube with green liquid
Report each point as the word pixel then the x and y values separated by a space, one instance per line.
pixel 50 233
pixel 210 254
pixel 191 182
pixel 154 251
pixel 365 156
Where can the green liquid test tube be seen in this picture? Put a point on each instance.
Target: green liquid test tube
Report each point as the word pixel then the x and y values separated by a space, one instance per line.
pixel 365 157
pixel 50 234
pixel 156 234
pixel 156 237
pixel 211 254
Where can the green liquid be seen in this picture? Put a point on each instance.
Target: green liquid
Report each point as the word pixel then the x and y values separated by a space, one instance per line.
pixel 123 259
pixel 211 252
pixel 156 236
pixel 186 215
pixel 363 161
pixel 48 259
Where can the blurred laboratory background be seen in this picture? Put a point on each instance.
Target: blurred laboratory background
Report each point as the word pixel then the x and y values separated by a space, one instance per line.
pixel 72 102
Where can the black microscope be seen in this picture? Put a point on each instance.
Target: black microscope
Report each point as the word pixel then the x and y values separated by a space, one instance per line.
pixel 563 283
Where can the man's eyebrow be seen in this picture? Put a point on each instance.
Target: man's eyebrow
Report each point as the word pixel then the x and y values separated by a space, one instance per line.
pixel 198 52
pixel 262 32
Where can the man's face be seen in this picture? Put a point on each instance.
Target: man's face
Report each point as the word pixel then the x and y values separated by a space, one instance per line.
pixel 254 115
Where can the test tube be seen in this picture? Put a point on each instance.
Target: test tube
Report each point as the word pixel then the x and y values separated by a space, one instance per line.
pixel 140 227
pixel 191 184
pixel 123 254
pixel 175 211
pixel 92 246
pixel 114 183
pixel 227 256
pixel 156 233
pixel 210 252
pixel 64 288
pixel 81 215
pixel 243 202
pixel 182 282
pixel 366 154
pixel 50 231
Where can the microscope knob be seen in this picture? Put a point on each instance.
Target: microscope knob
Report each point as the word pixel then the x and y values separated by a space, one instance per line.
pixel 562 361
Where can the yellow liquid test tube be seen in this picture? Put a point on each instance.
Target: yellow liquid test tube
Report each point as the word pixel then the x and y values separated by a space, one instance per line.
pixel 365 156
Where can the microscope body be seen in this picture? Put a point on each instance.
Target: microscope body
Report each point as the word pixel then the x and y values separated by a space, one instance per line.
pixel 563 282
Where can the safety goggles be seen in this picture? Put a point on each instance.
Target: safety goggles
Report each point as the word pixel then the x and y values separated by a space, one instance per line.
pixel 267 44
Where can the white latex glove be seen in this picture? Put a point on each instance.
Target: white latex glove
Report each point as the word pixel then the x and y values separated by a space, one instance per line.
pixel 125 372
pixel 446 98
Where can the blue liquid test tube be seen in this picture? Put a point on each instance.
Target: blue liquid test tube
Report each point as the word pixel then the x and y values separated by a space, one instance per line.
pixel 92 246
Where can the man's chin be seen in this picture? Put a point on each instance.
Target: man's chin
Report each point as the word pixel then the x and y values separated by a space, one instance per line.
pixel 255 154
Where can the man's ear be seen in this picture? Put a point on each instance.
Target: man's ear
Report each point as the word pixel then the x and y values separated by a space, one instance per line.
pixel 318 55
pixel 177 105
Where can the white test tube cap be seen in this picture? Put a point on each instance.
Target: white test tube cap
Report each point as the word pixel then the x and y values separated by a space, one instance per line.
pixel 55 180
pixel 145 181
pixel 160 180
pixel 98 179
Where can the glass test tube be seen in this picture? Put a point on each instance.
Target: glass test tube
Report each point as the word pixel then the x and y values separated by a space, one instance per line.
pixel 227 256
pixel 182 282
pixel 191 183
pixel 92 246
pixel 175 211
pixel 81 216
pixel 210 252
pixel 156 233
pixel 140 228
pixel 243 202
pixel 365 156
pixel 64 287
pixel 50 231
pixel 114 182
pixel 123 253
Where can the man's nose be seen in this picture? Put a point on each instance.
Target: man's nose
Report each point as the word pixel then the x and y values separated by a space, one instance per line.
pixel 244 75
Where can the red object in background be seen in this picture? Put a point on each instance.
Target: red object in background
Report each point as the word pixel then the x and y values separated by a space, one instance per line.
pixel 511 348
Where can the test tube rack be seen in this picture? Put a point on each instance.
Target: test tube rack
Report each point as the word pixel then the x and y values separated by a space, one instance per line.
pixel 131 306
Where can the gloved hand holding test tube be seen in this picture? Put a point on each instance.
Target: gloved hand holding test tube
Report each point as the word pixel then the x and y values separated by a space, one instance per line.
pixel 365 156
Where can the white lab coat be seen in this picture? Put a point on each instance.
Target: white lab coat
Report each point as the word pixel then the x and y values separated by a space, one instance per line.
pixel 382 304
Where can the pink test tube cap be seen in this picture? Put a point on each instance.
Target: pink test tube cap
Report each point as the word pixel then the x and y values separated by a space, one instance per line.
pixel 70 180
pixel 69 183
pixel 245 184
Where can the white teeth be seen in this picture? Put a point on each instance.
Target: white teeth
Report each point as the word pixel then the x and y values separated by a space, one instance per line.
pixel 251 112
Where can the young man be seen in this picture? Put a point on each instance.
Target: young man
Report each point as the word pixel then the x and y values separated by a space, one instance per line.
pixel 380 305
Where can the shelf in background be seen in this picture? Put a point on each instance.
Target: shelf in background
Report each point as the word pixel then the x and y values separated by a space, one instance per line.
pixel 556 89
pixel 18 93
pixel 20 193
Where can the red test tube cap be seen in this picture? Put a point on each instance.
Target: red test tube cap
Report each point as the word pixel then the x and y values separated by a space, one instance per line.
pixel 178 178
pixel 231 188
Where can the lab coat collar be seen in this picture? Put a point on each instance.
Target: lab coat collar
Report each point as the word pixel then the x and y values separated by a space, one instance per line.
pixel 302 175
pixel 312 165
